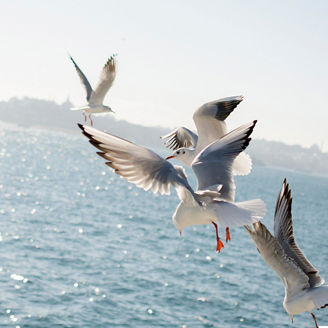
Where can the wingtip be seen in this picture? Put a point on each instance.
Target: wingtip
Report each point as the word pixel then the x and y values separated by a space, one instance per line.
pixel 80 126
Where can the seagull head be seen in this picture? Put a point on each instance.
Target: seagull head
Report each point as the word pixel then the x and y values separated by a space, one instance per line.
pixel 107 109
pixel 182 154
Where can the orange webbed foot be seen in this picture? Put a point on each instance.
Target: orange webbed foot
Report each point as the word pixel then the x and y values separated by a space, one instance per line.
pixel 219 245
pixel 227 234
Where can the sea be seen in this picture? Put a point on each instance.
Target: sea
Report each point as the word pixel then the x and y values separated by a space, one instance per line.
pixel 81 247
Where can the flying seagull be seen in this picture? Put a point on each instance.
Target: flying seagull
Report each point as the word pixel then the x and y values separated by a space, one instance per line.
pixel 148 170
pixel 210 123
pixel 304 288
pixel 96 97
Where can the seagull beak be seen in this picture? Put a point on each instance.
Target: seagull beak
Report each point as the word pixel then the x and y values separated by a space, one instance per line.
pixel 169 157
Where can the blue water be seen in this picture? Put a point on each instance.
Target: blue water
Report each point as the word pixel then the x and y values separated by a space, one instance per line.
pixel 81 247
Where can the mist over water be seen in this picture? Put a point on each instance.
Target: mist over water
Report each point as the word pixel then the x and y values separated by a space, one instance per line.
pixel 81 247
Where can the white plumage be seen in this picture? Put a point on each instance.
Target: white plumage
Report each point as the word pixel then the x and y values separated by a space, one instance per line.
pixel 210 123
pixel 147 170
pixel 96 97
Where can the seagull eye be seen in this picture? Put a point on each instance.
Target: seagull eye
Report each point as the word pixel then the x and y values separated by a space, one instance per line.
pixel 178 152
pixel 183 152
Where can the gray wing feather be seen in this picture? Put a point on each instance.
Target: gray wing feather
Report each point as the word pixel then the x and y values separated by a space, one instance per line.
pixel 137 164
pixel 83 80
pixel 273 254
pixel 209 119
pixel 283 231
pixel 180 137
pixel 213 165
pixel 106 80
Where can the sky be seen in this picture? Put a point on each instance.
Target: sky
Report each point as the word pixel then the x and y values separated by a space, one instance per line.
pixel 173 56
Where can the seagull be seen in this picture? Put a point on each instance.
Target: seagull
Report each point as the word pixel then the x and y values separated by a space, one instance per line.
pixel 96 97
pixel 304 288
pixel 210 123
pixel 148 170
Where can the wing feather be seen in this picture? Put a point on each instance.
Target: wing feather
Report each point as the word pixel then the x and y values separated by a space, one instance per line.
pixel 210 120
pixel 213 165
pixel 83 80
pixel 283 231
pixel 293 277
pixel 137 164
pixel 180 137
pixel 106 80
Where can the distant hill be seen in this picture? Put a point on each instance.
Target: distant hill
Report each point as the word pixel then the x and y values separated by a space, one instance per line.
pixel 29 112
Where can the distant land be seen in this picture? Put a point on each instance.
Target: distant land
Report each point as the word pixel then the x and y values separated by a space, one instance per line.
pixel 28 112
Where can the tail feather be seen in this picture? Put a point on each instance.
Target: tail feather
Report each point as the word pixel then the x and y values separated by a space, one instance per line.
pixel 242 165
pixel 239 214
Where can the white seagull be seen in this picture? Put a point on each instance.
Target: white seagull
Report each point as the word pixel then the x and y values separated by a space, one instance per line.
pixel 304 289
pixel 210 123
pixel 96 97
pixel 148 170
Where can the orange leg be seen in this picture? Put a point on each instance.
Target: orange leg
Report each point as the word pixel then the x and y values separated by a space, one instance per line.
pixel 90 119
pixel 227 234
pixel 219 243
pixel 85 116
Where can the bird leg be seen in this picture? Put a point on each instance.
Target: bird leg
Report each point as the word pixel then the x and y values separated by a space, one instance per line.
pixel 85 116
pixel 227 234
pixel 219 243
pixel 315 320
pixel 90 119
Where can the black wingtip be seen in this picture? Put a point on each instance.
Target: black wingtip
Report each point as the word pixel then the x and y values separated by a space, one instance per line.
pixel 80 126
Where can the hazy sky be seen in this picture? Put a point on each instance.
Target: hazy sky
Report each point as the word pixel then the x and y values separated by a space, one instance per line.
pixel 175 55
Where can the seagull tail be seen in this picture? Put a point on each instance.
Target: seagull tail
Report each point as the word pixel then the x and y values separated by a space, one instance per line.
pixel 242 164
pixel 256 207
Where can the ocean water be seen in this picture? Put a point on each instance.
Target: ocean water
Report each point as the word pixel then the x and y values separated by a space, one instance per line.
pixel 81 247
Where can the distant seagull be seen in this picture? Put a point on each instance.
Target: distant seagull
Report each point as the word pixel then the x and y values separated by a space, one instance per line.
pixel 96 97
pixel 210 123
pixel 304 289
pixel 147 170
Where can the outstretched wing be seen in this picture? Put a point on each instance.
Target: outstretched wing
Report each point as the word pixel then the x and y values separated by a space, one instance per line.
pixel 106 80
pixel 210 120
pixel 137 164
pixel 273 254
pixel 283 231
pixel 213 165
pixel 83 80
pixel 180 137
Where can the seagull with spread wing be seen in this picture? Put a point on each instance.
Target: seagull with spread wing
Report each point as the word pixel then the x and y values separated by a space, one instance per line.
pixel 212 166
pixel 210 123
pixel 304 288
pixel 96 97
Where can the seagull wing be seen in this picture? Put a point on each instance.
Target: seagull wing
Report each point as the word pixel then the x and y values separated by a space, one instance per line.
pixel 293 277
pixel 210 120
pixel 180 137
pixel 106 80
pixel 213 165
pixel 137 164
pixel 83 79
pixel 283 231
